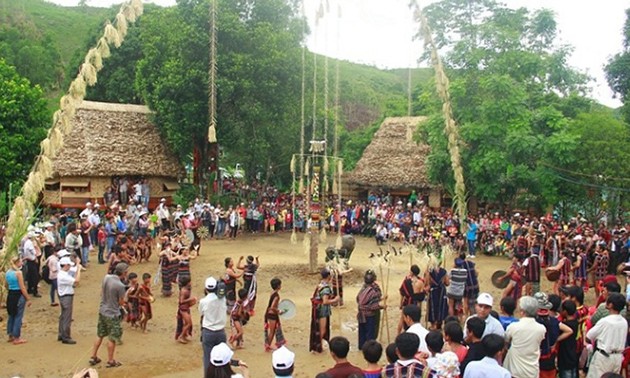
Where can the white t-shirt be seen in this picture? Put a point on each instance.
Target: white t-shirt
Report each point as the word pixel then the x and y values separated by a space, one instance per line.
pixel 422 333
pixel 138 189
pixel 214 312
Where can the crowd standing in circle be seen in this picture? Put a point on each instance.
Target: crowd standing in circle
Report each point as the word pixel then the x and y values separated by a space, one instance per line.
pixel 546 334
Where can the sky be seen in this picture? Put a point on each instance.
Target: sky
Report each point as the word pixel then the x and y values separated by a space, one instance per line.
pixel 370 32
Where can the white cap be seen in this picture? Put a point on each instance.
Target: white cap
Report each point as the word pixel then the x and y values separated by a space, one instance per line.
pixel 210 283
pixel 221 355
pixel 139 207
pixel 162 199
pixel 485 299
pixel 88 204
pixel 282 358
pixel 97 205
pixel 63 253
pixel 65 261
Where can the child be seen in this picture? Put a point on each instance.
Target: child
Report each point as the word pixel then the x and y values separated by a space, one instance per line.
pixel 372 352
pixel 508 305
pixel 133 303
pixel 272 319
pixel 238 319
pixel 184 320
pixel 101 237
pixel 567 348
pixel 435 343
pixel 145 297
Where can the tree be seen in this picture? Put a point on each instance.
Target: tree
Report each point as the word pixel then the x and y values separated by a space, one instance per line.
pixel 258 79
pixel 23 123
pixel 512 95
pixel 618 70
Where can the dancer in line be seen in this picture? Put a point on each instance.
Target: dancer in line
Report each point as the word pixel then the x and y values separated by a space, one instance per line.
pixel 183 333
pixel 321 302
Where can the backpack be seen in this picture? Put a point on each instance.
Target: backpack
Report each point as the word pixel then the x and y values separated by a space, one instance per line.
pixel 46 274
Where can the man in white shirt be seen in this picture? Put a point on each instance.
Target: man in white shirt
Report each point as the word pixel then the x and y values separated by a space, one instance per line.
pixel 488 367
pixel 87 211
pixel 95 219
pixel 411 317
pixel 483 308
pixel 30 258
pixel 610 334
pixel 164 215
pixel 65 289
pixel 213 311
pixel 525 337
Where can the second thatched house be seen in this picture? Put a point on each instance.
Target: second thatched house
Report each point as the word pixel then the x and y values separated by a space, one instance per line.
pixel 394 163
pixel 108 143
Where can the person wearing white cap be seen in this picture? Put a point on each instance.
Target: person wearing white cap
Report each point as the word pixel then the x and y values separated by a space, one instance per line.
pixel 213 311
pixel 221 363
pixel 85 213
pixel 65 289
pixel 164 215
pixel 29 255
pixel 483 308
pixel 282 362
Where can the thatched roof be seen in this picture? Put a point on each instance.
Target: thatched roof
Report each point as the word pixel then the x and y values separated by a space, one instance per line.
pixel 392 159
pixel 115 140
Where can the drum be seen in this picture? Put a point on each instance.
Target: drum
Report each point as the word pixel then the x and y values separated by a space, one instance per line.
pixel 552 275
pixel 500 284
pixel 287 309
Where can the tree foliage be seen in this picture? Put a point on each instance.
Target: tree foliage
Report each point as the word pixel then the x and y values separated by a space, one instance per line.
pixel 618 70
pixel 23 122
pixel 514 97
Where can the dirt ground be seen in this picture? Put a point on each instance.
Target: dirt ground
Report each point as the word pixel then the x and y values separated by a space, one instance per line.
pixel 156 354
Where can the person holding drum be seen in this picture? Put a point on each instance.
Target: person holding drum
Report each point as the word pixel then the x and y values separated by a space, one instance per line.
pixel 564 266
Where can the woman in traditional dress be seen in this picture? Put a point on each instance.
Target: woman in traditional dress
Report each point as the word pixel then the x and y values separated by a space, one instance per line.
pixel 321 302
pixel 515 274
pixel 167 257
pixel 249 279
pixel 230 278
pixel 183 333
pixel 369 308
pixel 564 267
pixel 133 306
pixel 438 301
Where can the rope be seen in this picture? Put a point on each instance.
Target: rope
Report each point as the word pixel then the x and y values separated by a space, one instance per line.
pixel 212 87
pixel 585 174
pixel 303 107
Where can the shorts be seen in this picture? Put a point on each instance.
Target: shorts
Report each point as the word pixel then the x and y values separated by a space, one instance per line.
pixel 109 327
pixel 455 297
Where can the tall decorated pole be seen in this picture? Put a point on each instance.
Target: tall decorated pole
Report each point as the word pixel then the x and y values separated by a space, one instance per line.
pixel 315 216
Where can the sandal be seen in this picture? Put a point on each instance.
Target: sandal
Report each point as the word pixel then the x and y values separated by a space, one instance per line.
pixel 95 360
pixel 113 364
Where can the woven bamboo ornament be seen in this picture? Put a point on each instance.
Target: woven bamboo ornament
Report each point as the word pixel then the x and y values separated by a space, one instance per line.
pixel 88 71
pixel 67 105
pixel 94 57
pixel 129 13
pixel 77 89
pixel 212 133
pixel 292 165
pixel 325 165
pixel 322 235
pixel 293 236
pixel 335 190
pixel 121 25
pixel 307 243
pixel 307 167
pixel 301 186
pixel 44 145
pixel 340 168
pixel 138 7
pixel 103 48
pixel 45 165
pixel 111 35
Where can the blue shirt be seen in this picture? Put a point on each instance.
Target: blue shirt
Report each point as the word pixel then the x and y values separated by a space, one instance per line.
pixel 507 320
pixel 12 280
pixel 486 368
pixel 471 234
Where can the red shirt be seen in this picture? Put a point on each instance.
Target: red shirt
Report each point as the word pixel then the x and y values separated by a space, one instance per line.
pixel 343 370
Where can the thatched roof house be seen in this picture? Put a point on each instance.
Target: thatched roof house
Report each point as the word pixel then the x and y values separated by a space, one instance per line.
pixel 108 141
pixel 393 161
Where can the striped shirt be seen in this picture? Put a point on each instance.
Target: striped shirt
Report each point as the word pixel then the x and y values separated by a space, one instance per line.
pixel 580 271
pixel 532 269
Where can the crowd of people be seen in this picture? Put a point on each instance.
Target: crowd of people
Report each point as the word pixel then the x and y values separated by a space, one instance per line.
pixel 532 334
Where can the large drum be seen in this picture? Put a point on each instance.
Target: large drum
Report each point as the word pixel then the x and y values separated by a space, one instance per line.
pixel 552 275
pixel 500 284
